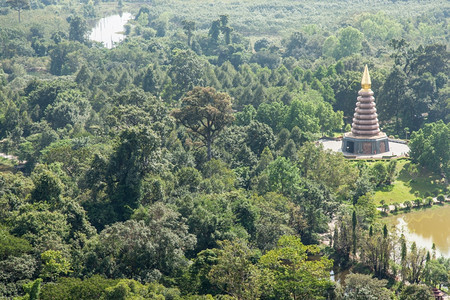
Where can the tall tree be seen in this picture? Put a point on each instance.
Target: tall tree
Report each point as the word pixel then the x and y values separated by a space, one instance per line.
pixel 78 29
pixel 186 71
pixel 61 57
pixel 416 260
pixel 403 54
pixel 225 29
pixel 433 59
pixel 205 112
pixel 18 5
pixel 152 80
pixel 188 27
pixel 345 87
pixel 392 96
pixel 429 147
pixel 135 156
pixel 214 31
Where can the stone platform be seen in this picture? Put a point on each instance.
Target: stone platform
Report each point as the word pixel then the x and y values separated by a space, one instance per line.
pixel 396 149
pixel 366 145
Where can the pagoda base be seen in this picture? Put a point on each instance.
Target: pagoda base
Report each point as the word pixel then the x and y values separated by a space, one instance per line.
pixel 365 145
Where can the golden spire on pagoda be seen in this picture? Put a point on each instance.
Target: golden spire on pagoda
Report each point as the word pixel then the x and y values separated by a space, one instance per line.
pixel 365 82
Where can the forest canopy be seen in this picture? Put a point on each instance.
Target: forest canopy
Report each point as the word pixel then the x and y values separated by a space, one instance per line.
pixel 182 163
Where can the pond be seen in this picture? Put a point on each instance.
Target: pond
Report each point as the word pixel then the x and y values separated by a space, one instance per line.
pixel 426 227
pixel 339 275
pixel 110 30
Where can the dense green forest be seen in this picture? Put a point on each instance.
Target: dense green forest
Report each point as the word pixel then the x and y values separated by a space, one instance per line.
pixel 183 163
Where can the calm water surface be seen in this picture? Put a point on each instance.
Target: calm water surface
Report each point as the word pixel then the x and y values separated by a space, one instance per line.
pixel 426 227
pixel 109 30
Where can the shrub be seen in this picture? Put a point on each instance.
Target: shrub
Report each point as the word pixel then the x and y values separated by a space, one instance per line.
pixel 407 204
pixel 418 202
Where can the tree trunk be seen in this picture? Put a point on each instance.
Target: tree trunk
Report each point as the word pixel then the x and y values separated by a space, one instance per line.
pixel 208 145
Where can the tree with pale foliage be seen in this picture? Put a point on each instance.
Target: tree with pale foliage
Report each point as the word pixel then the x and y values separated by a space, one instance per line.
pixel 360 286
pixel 54 264
pixel 234 272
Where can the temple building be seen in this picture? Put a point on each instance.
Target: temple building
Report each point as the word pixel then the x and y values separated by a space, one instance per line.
pixel 365 137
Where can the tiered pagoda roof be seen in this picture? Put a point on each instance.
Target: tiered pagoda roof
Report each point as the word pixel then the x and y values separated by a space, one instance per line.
pixel 365 121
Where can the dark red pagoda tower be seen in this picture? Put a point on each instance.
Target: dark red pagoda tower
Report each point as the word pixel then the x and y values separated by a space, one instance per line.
pixel 365 137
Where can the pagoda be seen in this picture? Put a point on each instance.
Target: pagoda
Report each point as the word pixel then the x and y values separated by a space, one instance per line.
pixel 366 137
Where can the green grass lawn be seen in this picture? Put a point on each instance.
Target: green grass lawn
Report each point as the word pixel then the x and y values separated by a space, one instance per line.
pixel 404 188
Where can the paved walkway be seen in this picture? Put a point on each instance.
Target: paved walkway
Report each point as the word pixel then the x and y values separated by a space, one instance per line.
pixel 397 149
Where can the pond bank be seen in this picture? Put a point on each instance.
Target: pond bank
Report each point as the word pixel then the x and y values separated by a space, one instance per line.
pixel 403 208
pixel 425 227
